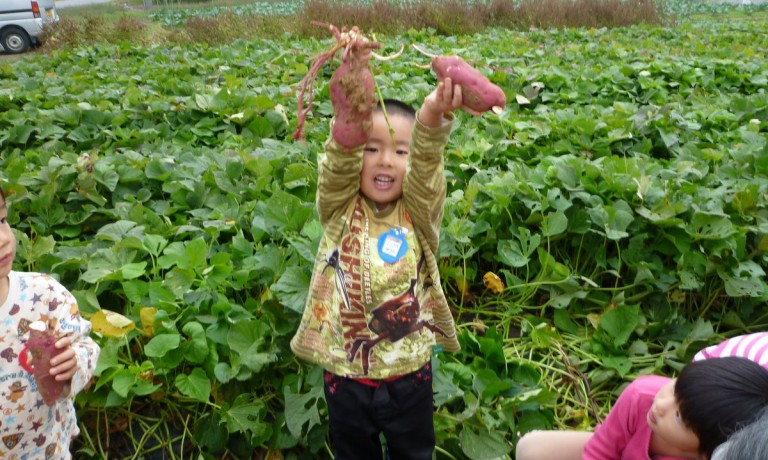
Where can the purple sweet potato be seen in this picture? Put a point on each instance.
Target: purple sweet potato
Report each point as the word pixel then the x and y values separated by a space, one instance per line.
pixel 479 93
pixel 42 346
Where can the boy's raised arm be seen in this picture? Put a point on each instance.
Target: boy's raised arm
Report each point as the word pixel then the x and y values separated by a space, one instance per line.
pixel 352 96
pixel 424 187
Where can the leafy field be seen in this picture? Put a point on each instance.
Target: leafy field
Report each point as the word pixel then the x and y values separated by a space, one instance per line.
pixel 621 197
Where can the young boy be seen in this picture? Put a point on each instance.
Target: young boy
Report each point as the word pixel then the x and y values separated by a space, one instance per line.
pixel 31 429
pixel 661 418
pixel 376 308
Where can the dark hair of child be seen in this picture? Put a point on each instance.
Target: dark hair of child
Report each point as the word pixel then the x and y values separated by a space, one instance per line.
pixel 719 396
pixel 395 108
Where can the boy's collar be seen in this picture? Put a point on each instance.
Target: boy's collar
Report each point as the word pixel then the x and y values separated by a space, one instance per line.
pixel 383 212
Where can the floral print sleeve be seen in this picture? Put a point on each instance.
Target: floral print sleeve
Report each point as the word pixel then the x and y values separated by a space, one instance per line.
pixel 28 427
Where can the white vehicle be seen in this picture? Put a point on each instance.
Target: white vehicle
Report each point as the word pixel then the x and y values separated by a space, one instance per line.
pixel 21 22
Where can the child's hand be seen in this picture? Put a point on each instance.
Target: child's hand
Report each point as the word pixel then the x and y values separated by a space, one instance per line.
pixel 64 365
pixel 444 99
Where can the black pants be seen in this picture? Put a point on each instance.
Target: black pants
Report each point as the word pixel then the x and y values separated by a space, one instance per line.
pixel 400 409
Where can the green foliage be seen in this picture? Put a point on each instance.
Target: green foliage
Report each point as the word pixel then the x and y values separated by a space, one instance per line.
pixel 621 197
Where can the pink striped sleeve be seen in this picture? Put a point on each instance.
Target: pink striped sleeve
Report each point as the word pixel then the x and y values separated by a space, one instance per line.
pixel 751 346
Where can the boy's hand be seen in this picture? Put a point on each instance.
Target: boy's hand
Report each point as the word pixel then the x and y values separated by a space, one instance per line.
pixel 444 99
pixel 64 365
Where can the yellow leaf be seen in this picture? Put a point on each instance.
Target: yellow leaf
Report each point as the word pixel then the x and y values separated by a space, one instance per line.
pixel 463 286
pixel 763 244
pixel 274 455
pixel 493 282
pixel 594 319
pixel 147 316
pixel 111 324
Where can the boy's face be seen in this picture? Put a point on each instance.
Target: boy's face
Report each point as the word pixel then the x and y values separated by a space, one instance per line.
pixel 384 162
pixel 671 437
pixel 7 242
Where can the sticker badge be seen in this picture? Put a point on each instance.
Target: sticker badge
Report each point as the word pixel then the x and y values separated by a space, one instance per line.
pixel 392 245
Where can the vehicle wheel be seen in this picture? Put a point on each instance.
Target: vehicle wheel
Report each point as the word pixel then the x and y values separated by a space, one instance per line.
pixel 15 40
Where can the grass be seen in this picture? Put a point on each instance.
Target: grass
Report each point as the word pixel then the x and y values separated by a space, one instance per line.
pixel 129 20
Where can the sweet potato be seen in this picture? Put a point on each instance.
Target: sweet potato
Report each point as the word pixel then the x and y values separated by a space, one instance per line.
pixel 479 93
pixel 42 346
pixel 351 88
pixel 353 99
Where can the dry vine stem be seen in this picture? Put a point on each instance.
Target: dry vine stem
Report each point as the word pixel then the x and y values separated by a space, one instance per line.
pixel 351 86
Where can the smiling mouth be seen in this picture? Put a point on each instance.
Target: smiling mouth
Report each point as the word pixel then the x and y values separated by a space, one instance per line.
pixel 383 180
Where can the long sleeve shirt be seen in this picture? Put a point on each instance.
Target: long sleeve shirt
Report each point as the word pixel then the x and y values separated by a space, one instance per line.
pixel 751 346
pixel 29 429
pixel 368 316
pixel 625 434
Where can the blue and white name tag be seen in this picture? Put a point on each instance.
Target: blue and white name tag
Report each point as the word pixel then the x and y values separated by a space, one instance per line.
pixel 392 245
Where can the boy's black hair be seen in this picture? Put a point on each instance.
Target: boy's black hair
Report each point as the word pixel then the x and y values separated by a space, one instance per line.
pixel 2 194
pixel 395 107
pixel 718 396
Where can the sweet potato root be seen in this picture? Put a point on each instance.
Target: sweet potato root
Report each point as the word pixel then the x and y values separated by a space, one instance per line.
pixel 479 93
pixel 352 96
pixel 42 346
pixel 351 88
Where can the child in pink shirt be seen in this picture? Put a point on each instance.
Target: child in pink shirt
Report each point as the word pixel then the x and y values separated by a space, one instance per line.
pixel 662 418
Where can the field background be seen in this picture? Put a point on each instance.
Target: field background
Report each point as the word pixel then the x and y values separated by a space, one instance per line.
pixel 620 198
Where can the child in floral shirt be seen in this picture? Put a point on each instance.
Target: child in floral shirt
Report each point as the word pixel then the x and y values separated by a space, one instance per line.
pixel 30 429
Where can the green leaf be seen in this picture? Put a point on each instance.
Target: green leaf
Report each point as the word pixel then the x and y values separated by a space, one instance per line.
pixel 211 432
pixel 120 230
pixel 123 381
pixel 511 254
pixel 554 224
pixel 302 411
pixel 292 288
pixel 134 270
pixel 621 364
pixel 710 226
pixel 488 385
pixel 614 218
pixel 20 134
pixel 619 323
pixel 246 338
pixel 564 322
pixel 179 281
pixel 196 348
pixel 738 287
pixel 247 416
pixel 162 344
pixel 196 385
pixel 445 390
pixel 480 444
pixel 154 244
pixel 282 212
pixel 224 372
pixel 517 253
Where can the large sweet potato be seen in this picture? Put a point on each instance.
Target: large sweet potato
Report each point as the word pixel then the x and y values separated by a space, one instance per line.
pixel 479 93
pixel 353 99
pixel 351 88
pixel 42 346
